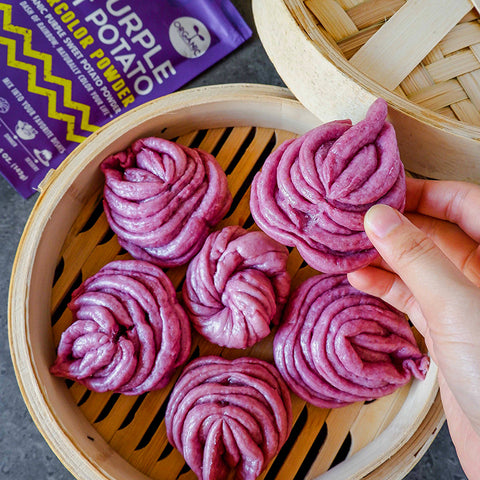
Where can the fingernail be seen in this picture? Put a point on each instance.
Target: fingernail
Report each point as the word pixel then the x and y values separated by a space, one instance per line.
pixel 381 220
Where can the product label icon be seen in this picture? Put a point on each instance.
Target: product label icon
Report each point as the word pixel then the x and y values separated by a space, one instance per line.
pixel 189 36
pixel 25 131
pixel 4 105
pixel 43 156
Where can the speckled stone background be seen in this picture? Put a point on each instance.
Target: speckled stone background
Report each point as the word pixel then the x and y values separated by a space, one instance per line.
pixel 24 454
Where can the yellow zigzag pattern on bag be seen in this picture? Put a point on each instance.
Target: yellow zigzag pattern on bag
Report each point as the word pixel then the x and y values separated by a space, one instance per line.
pixel 32 74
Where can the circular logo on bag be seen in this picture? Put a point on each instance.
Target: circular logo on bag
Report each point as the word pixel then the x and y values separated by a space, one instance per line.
pixel 189 36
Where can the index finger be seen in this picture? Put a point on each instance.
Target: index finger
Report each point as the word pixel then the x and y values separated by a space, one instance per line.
pixel 457 202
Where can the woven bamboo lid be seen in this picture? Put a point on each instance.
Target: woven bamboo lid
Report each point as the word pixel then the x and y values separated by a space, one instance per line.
pixel 422 56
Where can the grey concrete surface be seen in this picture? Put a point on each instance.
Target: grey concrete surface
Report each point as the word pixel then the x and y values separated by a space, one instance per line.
pixel 24 454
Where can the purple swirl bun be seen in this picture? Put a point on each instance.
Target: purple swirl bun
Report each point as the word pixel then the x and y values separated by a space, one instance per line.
pixel 128 334
pixel 161 198
pixel 337 345
pixel 236 287
pixel 313 191
pixel 224 415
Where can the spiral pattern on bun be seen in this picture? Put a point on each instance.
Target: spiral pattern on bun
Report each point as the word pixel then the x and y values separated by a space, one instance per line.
pixel 128 334
pixel 161 198
pixel 236 287
pixel 313 191
pixel 224 415
pixel 337 345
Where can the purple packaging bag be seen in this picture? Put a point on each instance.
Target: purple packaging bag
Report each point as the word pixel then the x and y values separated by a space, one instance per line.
pixel 68 67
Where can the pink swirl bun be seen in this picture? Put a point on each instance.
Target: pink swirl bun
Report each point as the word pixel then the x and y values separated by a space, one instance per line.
pixel 236 287
pixel 161 198
pixel 129 332
pixel 224 415
pixel 313 191
pixel 337 345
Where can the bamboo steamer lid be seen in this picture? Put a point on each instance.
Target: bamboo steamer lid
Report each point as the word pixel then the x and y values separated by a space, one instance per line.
pixel 422 56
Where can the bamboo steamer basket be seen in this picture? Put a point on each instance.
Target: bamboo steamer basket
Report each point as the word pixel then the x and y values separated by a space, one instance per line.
pixel 422 56
pixel 67 239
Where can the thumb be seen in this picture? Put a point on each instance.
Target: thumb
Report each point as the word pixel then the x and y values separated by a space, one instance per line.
pixel 431 277
pixel 448 301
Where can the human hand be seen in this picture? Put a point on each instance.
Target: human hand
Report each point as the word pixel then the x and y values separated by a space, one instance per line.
pixel 430 269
